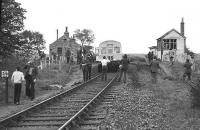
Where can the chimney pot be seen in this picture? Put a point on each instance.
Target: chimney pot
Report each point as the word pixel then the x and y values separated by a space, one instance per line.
pixel 66 29
pixel 57 33
pixel 182 27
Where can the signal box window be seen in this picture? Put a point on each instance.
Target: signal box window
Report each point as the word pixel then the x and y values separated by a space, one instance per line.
pixel 169 44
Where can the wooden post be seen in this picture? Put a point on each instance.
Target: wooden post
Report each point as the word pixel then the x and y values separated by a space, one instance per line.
pixel 60 65
pixel 4 74
pixel 6 88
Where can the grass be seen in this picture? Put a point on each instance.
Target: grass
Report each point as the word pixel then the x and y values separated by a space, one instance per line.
pixel 45 78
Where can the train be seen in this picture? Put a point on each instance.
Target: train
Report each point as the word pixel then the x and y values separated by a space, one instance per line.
pixel 112 50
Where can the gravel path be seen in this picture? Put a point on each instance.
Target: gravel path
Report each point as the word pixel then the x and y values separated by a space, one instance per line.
pixel 165 105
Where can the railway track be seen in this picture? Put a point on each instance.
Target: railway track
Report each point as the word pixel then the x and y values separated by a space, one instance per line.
pixel 54 113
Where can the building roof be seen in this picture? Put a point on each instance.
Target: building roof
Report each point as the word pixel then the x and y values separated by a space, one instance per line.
pixel 153 47
pixel 169 33
pixel 107 41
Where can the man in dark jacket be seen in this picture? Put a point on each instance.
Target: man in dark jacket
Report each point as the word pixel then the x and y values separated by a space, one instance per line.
pixel 123 68
pixel 154 66
pixel 188 70
pixel 89 65
pixel 30 77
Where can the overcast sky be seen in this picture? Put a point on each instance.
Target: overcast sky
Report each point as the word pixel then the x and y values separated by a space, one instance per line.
pixel 135 23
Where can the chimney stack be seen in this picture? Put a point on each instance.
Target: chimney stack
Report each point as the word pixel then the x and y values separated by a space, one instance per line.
pixel 182 27
pixel 57 33
pixel 66 32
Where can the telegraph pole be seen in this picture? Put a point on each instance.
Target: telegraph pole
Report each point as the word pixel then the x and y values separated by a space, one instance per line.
pixel 0 12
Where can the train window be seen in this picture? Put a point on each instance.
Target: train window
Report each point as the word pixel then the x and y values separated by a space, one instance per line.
pixel 111 57
pixel 109 45
pixel 103 50
pixel 110 51
pixel 117 50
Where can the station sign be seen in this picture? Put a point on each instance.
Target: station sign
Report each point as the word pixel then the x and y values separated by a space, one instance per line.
pixel 4 74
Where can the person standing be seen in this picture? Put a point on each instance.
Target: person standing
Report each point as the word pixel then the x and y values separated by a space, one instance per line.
pixel 123 68
pixel 30 77
pixel 154 66
pixel 89 65
pixel 104 64
pixel 188 70
pixel 85 70
pixel 17 78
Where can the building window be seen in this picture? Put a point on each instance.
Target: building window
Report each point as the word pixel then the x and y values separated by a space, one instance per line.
pixel 59 51
pixel 169 44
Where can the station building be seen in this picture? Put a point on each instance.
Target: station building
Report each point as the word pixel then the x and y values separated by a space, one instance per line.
pixel 63 47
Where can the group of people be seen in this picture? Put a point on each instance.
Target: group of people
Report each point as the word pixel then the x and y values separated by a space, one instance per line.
pixel 123 67
pixel 154 67
pixel 87 67
pixel 150 56
pixel 30 78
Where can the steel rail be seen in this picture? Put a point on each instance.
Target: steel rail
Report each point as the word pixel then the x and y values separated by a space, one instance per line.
pixel 18 114
pixel 63 127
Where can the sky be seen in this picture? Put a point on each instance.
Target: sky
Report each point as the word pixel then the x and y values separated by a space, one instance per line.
pixel 136 24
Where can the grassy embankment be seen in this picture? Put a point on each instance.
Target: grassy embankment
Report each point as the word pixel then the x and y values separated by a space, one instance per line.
pixel 45 78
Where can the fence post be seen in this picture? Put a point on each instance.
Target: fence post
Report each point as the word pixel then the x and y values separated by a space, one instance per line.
pixel 6 97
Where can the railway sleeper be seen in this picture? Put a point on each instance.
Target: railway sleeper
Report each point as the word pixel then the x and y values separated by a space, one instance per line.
pixel 52 115
pixel 39 123
pixel 58 118
pixel 33 128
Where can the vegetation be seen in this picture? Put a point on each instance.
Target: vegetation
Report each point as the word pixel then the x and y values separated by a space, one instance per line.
pixel 12 16
pixel 16 43
pixel 33 45
pixel 85 36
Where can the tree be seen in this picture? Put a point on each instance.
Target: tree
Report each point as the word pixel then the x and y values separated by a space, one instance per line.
pixel 85 36
pixel 33 45
pixel 12 16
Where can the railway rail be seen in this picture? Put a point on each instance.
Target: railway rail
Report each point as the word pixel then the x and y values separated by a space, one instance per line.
pixel 59 110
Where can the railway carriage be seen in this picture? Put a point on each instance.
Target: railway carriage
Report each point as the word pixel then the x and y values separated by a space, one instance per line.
pixel 112 50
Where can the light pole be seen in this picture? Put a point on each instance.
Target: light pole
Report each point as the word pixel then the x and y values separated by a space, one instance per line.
pixel 0 12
